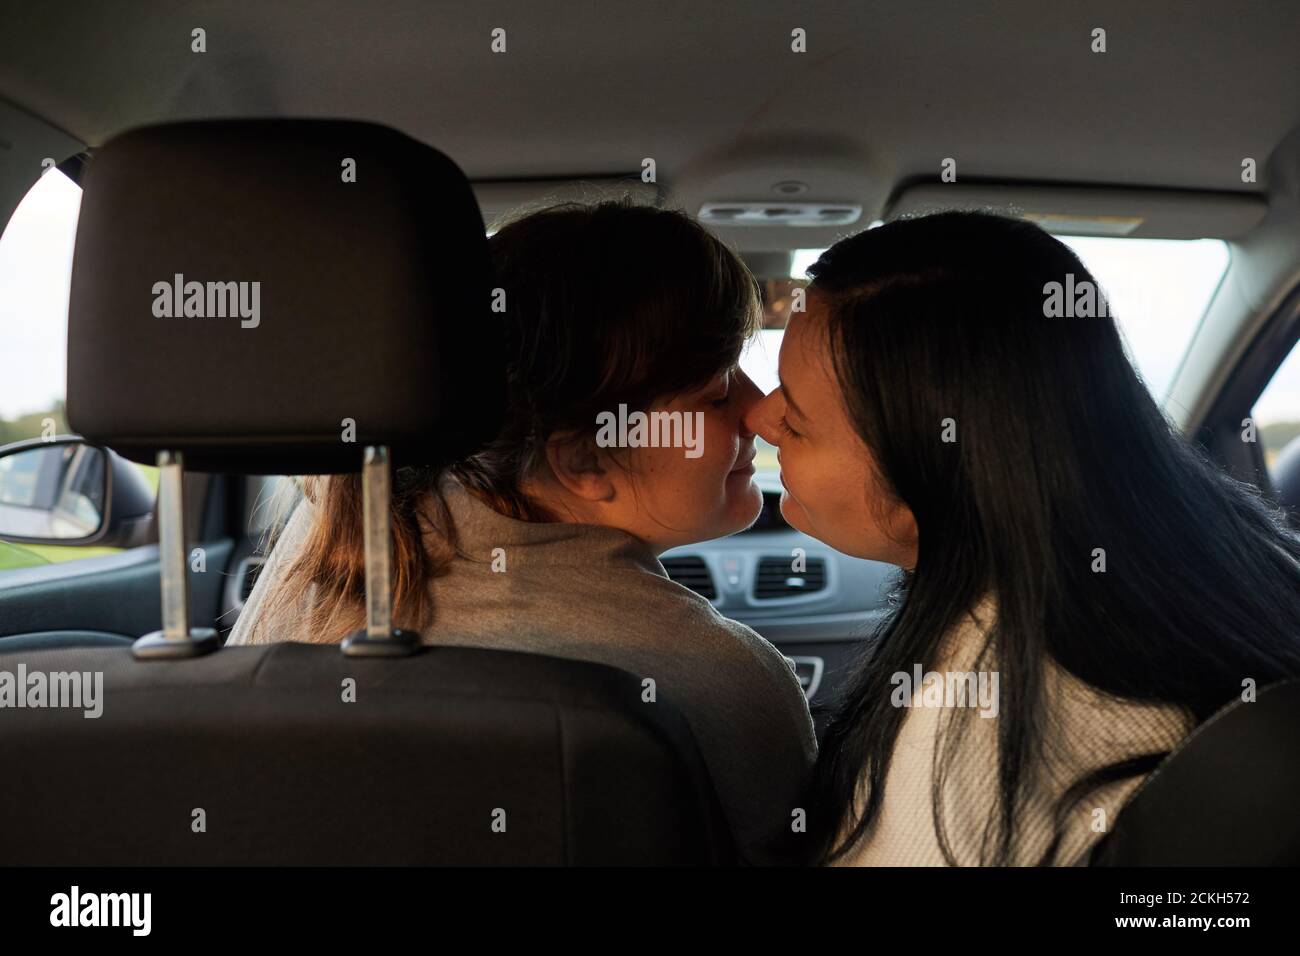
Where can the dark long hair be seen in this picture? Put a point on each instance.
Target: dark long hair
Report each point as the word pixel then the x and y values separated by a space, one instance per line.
pixel 605 304
pixel 1060 451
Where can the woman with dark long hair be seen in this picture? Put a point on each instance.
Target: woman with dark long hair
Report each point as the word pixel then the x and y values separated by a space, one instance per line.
pixel 1081 587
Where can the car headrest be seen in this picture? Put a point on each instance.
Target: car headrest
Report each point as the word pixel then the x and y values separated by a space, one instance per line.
pixel 272 296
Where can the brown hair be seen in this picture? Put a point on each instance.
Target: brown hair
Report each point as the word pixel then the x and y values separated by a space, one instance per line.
pixel 605 304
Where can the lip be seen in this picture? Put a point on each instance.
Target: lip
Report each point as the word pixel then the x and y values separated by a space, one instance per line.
pixel 748 466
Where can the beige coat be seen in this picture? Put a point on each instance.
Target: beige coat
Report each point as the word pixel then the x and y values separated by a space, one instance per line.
pixel 1085 731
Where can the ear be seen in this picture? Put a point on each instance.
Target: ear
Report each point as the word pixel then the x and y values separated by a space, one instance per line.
pixel 579 467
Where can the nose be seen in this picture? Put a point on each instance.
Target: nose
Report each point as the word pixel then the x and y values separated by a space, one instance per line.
pixel 748 395
pixel 758 416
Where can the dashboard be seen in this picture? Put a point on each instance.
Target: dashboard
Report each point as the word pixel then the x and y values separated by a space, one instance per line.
pixel 787 586
pixel 815 604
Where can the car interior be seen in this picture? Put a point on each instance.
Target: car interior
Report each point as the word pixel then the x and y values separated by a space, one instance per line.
pixel 210 135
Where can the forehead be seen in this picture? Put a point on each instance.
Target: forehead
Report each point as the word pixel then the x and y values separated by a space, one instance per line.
pixel 804 346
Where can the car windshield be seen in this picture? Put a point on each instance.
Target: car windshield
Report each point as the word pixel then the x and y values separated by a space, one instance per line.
pixel 1158 289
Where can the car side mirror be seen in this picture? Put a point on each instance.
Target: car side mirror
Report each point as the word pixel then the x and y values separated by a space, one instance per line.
pixel 64 491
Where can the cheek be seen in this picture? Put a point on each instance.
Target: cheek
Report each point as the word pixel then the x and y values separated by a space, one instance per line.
pixel 694 475
pixel 733 499
pixel 810 474
pixel 709 476
pixel 720 443
pixel 800 482
pixel 827 497
pixel 698 496
pixel 686 491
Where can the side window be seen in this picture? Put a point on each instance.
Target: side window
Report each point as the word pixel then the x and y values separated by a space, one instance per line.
pixel 35 273
pixel 35 269
pixel 1277 410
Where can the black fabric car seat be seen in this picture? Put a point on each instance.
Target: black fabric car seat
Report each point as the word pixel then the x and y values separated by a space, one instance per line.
pixel 1227 796
pixel 371 329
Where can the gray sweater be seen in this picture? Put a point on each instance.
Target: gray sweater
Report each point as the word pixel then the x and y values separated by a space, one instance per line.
pixel 593 593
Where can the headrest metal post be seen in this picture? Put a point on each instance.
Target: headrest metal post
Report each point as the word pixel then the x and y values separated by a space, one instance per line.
pixel 171 546
pixel 379 639
pixel 376 492
pixel 177 639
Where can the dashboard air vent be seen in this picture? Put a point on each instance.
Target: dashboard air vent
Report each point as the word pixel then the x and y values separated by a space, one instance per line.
pixel 776 578
pixel 692 573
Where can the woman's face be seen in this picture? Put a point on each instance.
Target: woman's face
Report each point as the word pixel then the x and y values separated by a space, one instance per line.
pixel 679 495
pixel 831 487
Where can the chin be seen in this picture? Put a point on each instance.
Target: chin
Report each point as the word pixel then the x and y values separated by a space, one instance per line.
pixel 750 502
pixel 793 513
pixel 742 510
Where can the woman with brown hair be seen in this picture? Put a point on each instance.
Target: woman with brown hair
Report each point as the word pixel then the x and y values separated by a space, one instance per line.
pixel 624 437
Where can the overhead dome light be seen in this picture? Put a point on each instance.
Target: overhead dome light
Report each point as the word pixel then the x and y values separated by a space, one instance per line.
pixel 780 214
pixel 790 187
